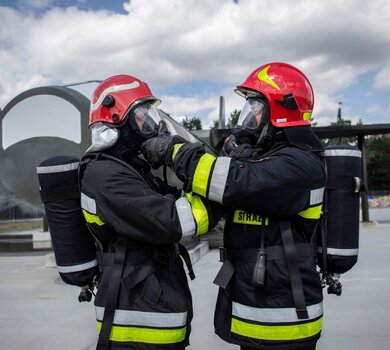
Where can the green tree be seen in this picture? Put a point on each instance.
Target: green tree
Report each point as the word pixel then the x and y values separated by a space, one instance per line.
pixel 215 124
pixel 233 118
pixel 378 162
pixel 193 123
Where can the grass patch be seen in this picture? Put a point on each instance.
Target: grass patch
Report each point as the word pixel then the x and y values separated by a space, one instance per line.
pixel 20 225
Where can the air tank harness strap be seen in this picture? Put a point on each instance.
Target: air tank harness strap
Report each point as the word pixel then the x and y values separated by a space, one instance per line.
pixel 148 262
pixel 113 292
pixel 230 257
pixel 290 252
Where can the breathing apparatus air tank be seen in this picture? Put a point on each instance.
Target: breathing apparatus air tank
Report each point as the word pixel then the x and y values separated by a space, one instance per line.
pixel 341 221
pixel 73 245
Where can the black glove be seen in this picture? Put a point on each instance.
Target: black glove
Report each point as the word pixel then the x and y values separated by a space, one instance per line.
pixel 231 149
pixel 158 150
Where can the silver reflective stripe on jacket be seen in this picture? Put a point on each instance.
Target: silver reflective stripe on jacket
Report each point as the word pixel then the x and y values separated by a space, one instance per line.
pixel 273 315
pixel 57 168
pixel 317 195
pixel 186 218
pixel 144 318
pixel 78 267
pixel 219 178
pixel 340 251
pixel 88 203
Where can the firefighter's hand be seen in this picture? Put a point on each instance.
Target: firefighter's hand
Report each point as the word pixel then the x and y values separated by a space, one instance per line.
pixel 158 150
pixel 228 145
pixel 231 149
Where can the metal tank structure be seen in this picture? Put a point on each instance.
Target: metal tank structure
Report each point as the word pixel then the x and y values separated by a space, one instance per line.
pixel 48 121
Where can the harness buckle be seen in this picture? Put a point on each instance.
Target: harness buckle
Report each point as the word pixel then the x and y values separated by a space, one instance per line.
pixel 222 254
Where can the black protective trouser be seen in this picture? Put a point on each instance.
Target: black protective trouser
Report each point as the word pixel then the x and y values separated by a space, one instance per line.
pixel 306 348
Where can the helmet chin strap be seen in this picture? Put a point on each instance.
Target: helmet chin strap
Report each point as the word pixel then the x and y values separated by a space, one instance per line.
pixel 266 136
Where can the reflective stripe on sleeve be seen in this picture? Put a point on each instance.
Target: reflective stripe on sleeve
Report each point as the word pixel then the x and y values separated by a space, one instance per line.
pixel 176 148
pixel 57 168
pixel 312 213
pixel 219 178
pixel 202 174
pixel 92 218
pixel 77 268
pixel 340 251
pixel 186 218
pixel 88 203
pixel 317 196
pixel 200 213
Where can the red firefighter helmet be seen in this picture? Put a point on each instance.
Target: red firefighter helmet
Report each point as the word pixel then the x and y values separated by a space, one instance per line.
pixel 288 92
pixel 115 96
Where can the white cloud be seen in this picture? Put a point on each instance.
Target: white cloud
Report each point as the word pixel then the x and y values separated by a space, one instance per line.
pixel 382 78
pixel 374 109
pixel 168 42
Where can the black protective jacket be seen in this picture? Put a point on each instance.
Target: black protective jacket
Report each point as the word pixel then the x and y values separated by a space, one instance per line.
pixel 137 225
pixel 270 293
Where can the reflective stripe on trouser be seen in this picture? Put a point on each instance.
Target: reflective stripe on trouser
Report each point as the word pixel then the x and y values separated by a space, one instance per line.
pixel 278 324
pixel 146 327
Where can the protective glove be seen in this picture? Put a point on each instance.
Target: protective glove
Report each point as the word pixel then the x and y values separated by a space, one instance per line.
pixel 158 150
pixel 231 149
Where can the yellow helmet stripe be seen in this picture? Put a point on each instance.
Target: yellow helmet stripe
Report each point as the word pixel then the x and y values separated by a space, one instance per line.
pixel 263 76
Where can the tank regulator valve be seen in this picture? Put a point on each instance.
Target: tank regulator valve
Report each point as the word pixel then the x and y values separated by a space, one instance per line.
pixel 335 286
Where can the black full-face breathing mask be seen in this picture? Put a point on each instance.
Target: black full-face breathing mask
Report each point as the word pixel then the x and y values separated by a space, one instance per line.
pixel 253 124
pixel 141 124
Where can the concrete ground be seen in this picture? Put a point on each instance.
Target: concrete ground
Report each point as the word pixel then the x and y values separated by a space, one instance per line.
pixel 39 312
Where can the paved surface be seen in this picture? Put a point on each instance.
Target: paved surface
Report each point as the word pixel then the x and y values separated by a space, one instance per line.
pixel 39 312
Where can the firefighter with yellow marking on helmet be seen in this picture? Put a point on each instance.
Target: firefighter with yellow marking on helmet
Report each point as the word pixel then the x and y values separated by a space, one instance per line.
pixel 143 300
pixel 271 180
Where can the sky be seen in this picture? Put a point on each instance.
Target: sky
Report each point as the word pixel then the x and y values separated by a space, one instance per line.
pixel 190 52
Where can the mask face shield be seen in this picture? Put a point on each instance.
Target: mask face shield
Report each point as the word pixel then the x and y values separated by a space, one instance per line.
pixel 144 120
pixel 253 115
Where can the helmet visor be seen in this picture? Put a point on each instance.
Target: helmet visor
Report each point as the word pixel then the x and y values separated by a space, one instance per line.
pixel 252 115
pixel 144 119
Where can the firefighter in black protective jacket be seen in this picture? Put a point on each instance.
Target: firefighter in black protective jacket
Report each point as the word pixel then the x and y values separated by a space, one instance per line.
pixel 143 300
pixel 270 178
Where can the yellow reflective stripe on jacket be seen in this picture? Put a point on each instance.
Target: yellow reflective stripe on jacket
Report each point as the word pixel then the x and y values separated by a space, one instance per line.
pixel 92 218
pixel 146 335
pixel 276 332
pixel 243 217
pixel 202 174
pixel 199 212
pixel 312 213
pixel 176 149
